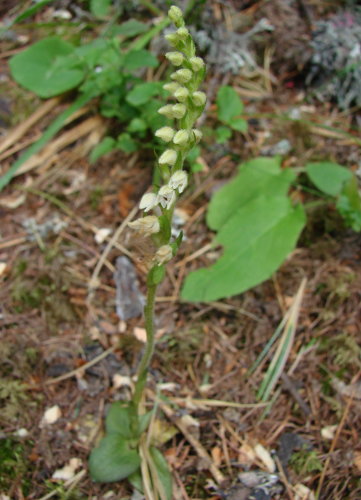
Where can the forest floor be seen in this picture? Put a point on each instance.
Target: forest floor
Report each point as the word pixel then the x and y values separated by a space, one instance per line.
pixel 57 305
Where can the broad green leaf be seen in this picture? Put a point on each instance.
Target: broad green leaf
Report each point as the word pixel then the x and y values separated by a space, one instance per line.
pixel 106 145
pixel 256 240
pixel 229 104
pixel 100 8
pixel 119 420
pixel 130 28
pixel 164 483
pixel 37 68
pixel 349 204
pixel 113 459
pixel 328 177
pixel 223 133
pixel 135 59
pixel 142 93
pixel 255 177
pixel 126 143
pixel 238 124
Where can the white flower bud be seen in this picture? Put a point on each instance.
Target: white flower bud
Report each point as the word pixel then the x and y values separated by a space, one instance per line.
pixel 166 110
pixel 197 63
pixel 169 157
pixel 199 98
pixel 165 133
pixel 176 58
pixel 146 225
pixel 197 134
pixel 171 87
pixel 179 180
pixel 181 94
pixel 148 201
pixel 182 33
pixel 175 14
pixel 166 196
pixel 181 137
pixel 163 254
pixel 178 111
pixel 182 75
pixel 172 38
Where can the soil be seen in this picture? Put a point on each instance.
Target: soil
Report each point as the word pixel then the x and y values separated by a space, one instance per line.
pixel 57 314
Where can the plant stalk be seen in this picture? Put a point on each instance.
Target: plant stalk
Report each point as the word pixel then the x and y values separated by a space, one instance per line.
pixel 149 346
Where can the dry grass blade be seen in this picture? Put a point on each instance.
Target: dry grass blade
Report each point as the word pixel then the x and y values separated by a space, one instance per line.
pixel 281 355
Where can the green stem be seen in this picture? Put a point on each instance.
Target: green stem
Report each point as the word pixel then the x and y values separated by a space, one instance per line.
pixel 149 347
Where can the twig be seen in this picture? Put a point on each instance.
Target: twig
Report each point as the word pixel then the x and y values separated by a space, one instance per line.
pixel 198 447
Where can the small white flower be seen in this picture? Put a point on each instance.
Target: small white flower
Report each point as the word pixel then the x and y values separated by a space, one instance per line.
pixel 176 58
pixel 166 110
pixel 199 98
pixel 171 87
pixel 181 94
pixel 165 133
pixel 146 225
pixel 175 14
pixel 166 196
pixel 148 201
pixel 197 63
pixel 163 254
pixel 197 134
pixel 179 180
pixel 182 33
pixel 178 111
pixel 182 75
pixel 181 137
pixel 169 157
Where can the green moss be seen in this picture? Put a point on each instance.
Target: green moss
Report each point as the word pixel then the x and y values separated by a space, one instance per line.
pixel 14 465
pixel 305 462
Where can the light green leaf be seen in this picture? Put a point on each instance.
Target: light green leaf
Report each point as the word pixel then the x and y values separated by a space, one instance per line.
pixel 164 483
pixel 106 145
pixel 100 8
pixel 257 176
pixel 142 58
pixel 156 275
pixel 229 104
pixel 113 459
pixel 142 93
pixel 131 28
pixel 328 177
pixel 37 68
pixel 137 125
pixel 119 420
pixel 256 240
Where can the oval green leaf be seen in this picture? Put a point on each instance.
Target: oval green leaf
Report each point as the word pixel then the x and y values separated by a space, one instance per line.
pixel 328 177
pixel 47 67
pixel 113 459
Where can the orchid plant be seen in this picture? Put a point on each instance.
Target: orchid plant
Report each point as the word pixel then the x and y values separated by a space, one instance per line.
pixel 121 453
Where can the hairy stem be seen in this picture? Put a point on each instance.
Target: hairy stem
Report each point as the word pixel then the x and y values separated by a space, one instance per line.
pixel 149 347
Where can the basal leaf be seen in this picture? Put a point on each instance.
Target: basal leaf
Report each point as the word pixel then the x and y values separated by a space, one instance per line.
pixel 238 124
pixel 38 69
pixel 119 420
pixel 142 58
pixel 142 93
pixel 113 459
pixel 100 8
pixel 256 240
pixel 229 104
pixel 349 204
pixel 328 177
pixel 255 177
